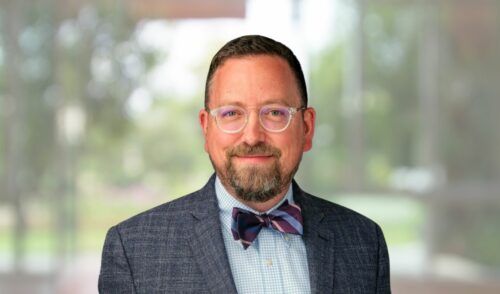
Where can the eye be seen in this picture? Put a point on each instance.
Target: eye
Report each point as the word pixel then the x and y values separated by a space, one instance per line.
pixel 275 112
pixel 230 113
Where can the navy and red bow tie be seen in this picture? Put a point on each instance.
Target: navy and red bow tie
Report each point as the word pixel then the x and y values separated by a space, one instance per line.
pixel 246 225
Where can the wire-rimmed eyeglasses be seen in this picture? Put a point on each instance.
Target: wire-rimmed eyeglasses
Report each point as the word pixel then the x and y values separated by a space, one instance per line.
pixel 232 119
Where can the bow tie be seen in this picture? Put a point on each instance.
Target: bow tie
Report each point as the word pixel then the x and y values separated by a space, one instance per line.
pixel 246 225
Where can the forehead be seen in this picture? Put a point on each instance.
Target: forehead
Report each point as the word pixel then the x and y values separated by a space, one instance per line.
pixel 254 80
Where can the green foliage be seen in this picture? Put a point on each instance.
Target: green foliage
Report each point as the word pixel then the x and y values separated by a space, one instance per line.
pixel 390 100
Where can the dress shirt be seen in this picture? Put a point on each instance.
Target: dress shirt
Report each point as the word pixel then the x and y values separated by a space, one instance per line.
pixel 274 263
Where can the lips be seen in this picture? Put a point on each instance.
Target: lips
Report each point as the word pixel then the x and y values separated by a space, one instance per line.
pixel 253 155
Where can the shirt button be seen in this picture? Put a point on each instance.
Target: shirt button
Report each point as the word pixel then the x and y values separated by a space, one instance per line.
pixel 269 262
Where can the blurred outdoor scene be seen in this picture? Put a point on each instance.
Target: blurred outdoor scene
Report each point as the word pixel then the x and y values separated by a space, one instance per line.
pixel 99 106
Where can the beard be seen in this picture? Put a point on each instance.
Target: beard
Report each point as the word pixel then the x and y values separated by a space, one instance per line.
pixel 253 183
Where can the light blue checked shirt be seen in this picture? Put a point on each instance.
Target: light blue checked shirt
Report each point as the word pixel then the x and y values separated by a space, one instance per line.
pixel 274 263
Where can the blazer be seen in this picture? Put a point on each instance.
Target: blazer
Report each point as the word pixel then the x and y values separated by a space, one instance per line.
pixel 178 247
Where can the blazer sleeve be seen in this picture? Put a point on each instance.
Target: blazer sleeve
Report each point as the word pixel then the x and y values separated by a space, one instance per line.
pixel 383 275
pixel 115 275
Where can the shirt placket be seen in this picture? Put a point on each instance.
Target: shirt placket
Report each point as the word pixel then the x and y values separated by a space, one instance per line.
pixel 269 263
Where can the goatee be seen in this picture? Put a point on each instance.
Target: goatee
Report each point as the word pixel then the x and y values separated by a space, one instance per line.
pixel 254 183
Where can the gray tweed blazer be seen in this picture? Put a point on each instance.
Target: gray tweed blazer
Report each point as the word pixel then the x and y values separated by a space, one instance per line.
pixel 177 247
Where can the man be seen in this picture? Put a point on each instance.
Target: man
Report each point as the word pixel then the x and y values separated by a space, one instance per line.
pixel 251 229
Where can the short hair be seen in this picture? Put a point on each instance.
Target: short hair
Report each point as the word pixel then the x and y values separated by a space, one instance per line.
pixel 252 45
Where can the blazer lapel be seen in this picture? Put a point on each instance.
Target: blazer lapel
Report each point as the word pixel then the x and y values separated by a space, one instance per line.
pixel 207 244
pixel 318 242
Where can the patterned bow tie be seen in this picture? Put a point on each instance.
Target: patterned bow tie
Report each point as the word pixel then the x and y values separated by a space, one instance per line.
pixel 246 225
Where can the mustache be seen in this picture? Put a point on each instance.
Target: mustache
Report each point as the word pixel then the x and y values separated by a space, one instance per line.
pixel 259 149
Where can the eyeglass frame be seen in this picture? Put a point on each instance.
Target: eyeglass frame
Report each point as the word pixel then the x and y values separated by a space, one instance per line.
pixel 292 111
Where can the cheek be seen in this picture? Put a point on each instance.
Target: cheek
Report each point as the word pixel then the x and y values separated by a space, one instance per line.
pixel 216 146
pixel 291 149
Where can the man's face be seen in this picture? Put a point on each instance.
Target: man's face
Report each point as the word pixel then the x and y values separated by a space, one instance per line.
pixel 255 164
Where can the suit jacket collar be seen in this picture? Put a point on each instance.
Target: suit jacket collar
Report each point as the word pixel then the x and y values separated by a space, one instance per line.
pixel 209 251
pixel 318 242
pixel 207 243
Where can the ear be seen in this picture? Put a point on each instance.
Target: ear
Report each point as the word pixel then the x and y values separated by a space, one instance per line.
pixel 309 123
pixel 203 117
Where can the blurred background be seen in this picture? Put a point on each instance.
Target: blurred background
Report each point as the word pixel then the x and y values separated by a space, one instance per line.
pixel 98 121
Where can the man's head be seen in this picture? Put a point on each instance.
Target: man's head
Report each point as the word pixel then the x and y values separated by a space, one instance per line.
pixel 255 122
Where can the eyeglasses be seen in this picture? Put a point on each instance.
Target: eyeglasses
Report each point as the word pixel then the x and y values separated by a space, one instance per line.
pixel 274 118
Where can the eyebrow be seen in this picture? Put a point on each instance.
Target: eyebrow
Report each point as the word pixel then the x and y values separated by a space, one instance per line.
pixel 266 102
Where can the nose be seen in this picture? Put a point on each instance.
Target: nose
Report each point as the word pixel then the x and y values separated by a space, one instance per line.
pixel 253 133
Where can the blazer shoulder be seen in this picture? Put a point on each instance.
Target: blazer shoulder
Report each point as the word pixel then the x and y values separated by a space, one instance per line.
pixel 173 210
